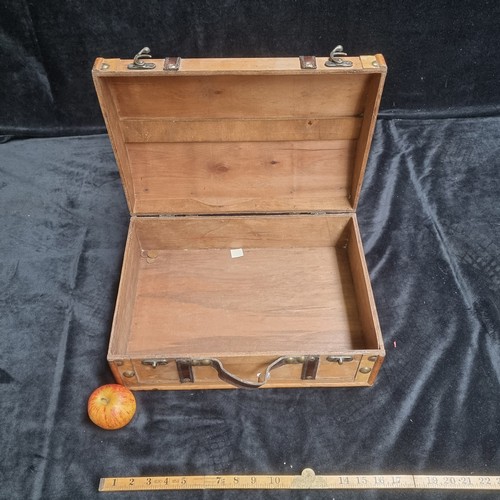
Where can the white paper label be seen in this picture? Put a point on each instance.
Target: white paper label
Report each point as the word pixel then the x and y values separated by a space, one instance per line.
pixel 236 252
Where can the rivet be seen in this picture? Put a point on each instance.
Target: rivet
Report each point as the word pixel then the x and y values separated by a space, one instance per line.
pixel 290 361
pixel 205 362
pixel 119 362
pixel 365 370
pixel 375 64
pixel 373 358
pixel 129 374
pixel 300 359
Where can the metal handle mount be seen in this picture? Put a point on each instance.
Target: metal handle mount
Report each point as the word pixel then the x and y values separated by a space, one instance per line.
pixel 184 367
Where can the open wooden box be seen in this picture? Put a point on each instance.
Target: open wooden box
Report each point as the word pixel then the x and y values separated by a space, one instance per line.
pixel 223 157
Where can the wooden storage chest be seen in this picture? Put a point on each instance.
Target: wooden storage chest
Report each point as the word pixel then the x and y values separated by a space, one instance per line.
pixel 243 265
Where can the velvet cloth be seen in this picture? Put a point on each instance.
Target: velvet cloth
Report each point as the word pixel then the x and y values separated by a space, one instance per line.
pixel 430 221
pixel 442 54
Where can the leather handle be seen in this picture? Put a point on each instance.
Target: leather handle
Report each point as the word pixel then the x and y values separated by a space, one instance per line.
pixel 230 378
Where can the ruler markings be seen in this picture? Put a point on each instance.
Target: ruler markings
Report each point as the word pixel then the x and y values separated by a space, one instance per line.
pixel 307 480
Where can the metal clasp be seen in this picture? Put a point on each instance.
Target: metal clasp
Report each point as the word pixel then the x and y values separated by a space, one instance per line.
pixel 138 60
pixel 335 60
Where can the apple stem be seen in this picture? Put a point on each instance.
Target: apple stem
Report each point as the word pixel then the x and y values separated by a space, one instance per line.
pixel 104 400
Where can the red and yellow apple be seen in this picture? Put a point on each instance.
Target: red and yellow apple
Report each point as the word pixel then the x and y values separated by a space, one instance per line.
pixel 111 406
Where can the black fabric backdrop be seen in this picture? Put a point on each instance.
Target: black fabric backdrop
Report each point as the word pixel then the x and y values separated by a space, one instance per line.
pixel 442 55
pixel 429 216
pixel 430 221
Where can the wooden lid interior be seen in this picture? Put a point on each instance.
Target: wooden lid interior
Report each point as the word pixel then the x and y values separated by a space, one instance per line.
pixel 253 138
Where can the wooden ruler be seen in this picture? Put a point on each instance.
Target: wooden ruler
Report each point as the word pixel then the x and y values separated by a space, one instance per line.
pixel 308 480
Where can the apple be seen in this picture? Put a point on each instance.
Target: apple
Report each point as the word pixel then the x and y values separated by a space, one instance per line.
pixel 111 406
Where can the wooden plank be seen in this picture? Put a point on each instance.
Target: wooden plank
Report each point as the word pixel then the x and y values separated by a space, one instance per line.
pixel 227 96
pixel 230 66
pixel 241 177
pixel 125 301
pixel 112 121
pixel 264 231
pixel 273 301
pixel 245 367
pixel 362 286
pixel 374 95
pixel 174 130
pixel 217 384
pixel 271 106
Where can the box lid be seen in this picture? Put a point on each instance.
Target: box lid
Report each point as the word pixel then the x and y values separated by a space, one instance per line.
pixel 222 136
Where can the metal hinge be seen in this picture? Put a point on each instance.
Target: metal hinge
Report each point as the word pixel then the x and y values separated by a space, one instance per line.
pixel 172 64
pixel 307 62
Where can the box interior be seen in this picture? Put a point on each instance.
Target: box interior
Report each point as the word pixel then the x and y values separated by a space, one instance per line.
pixel 245 143
pixel 251 155
pixel 300 285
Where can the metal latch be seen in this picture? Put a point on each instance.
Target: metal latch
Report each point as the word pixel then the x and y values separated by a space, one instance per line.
pixel 335 60
pixel 139 63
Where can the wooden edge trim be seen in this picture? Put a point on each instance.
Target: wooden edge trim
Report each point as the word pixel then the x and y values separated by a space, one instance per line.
pixel 125 281
pixel 231 66
pixel 137 354
pixel 366 135
pixel 115 371
pixel 381 61
pixel 115 135
pixel 376 61
pixel 97 64
pixel 367 284
pixel 176 386
pixel 376 368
